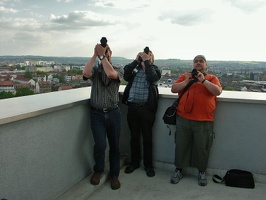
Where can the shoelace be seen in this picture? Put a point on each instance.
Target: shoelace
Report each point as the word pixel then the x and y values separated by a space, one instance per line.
pixel 177 174
pixel 202 175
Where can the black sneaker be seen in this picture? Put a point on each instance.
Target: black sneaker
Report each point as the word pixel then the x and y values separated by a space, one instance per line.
pixel 129 169
pixel 150 172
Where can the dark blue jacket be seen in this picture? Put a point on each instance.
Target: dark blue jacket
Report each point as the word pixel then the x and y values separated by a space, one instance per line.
pixel 153 75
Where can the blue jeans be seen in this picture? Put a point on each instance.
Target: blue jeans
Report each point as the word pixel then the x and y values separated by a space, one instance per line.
pixel 106 124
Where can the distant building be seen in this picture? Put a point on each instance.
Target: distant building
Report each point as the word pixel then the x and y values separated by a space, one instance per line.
pixel 166 72
pixel 30 69
pixel 43 87
pixel 78 67
pixel 79 76
pixel 40 78
pixel 45 69
pixel 57 68
pixel 55 80
pixel 5 77
pixel 50 77
pixel 25 85
pixel 65 87
pixel 30 63
pixel 65 67
pixel 45 63
pixel 24 81
pixel 7 86
pixel 69 77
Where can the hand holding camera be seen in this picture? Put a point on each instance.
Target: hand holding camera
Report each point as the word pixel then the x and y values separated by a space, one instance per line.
pixel 103 49
pixel 100 50
pixel 195 74
pixel 143 56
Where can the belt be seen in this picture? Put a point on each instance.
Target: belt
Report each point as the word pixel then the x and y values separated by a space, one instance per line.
pixel 104 109
pixel 137 104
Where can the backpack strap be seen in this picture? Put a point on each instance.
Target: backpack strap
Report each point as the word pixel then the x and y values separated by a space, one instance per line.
pixel 178 99
pixel 187 87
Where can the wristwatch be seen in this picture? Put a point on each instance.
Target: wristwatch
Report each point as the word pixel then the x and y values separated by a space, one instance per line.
pixel 102 57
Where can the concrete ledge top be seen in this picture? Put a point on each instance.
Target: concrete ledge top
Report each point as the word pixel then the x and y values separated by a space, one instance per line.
pixel 18 108
pixel 230 96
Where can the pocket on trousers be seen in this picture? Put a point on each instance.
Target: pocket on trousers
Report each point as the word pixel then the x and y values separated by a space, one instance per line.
pixel 211 138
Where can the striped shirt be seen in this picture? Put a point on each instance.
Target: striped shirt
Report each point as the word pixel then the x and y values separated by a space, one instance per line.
pixel 140 88
pixel 104 91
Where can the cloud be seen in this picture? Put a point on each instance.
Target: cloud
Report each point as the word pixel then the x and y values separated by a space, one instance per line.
pixel 80 20
pixel 7 10
pixel 27 38
pixel 122 4
pixel 64 1
pixel 25 24
pixel 247 6
pixel 107 4
pixel 187 18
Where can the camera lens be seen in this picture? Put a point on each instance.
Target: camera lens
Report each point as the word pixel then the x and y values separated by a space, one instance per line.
pixel 103 41
pixel 194 73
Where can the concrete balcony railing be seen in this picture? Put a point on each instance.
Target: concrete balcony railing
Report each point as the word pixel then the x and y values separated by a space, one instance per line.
pixel 46 143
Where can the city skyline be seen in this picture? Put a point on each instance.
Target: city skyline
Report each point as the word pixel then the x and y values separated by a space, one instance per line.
pixel 180 29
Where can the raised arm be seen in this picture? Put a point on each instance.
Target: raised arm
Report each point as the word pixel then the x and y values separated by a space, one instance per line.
pixel 88 67
pixel 106 61
pixel 178 86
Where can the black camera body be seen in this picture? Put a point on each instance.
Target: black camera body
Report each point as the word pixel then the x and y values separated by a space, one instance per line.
pixel 147 51
pixel 194 74
pixel 103 41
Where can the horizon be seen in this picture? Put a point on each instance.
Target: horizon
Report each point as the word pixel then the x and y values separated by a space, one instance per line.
pixel 132 58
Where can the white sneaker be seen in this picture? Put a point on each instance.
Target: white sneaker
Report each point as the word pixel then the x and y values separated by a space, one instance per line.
pixel 202 180
pixel 177 175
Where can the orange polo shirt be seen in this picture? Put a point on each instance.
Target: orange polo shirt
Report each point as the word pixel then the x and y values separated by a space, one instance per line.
pixel 198 103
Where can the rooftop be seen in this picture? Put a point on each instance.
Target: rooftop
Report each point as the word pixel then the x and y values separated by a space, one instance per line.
pixel 137 186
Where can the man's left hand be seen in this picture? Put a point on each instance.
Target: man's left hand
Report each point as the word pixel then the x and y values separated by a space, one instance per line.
pixel 144 56
pixel 200 76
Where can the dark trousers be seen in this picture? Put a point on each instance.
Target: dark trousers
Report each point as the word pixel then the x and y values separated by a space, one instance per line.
pixel 193 143
pixel 140 121
pixel 106 124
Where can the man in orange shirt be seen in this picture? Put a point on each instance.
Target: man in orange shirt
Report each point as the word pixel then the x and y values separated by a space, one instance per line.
pixel 194 126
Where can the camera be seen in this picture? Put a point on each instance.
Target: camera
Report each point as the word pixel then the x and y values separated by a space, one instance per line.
pixel 146 50
pixel 103 41
pixel 194 73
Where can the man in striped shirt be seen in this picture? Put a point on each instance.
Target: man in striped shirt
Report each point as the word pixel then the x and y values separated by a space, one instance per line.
pixel 105 113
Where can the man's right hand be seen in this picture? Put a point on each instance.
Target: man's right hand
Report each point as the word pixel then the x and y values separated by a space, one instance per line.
pixel 187 77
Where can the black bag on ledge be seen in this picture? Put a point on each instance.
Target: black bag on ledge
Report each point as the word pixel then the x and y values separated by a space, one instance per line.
pixel 236 178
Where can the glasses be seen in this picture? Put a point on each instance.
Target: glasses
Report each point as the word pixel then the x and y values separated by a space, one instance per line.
pixel 199 60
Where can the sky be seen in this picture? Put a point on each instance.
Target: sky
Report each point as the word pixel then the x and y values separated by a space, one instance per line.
pixel 173 29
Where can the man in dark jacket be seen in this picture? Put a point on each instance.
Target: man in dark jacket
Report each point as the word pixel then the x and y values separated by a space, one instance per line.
pixel 141 96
